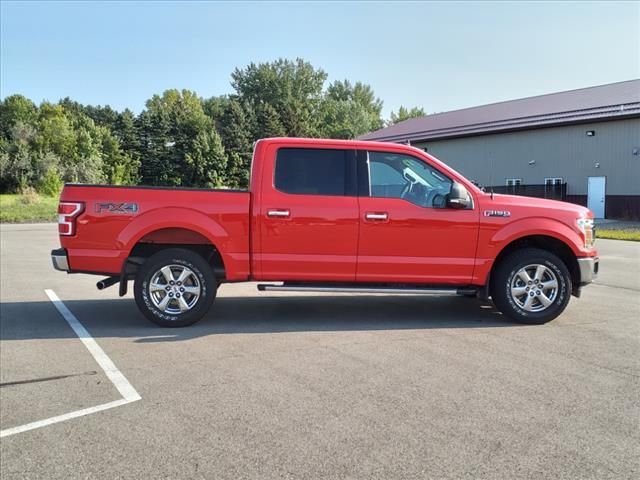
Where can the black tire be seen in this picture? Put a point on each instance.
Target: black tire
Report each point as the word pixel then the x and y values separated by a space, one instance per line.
pixel 508 277
pixel 201 279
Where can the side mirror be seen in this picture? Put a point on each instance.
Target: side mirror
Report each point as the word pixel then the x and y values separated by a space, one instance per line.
pixel 458 197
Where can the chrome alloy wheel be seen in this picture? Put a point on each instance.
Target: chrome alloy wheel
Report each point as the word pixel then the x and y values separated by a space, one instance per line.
pixel 174 289
pixel 534 288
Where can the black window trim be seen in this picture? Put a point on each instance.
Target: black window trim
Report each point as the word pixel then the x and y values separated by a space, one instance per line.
pixel 351 171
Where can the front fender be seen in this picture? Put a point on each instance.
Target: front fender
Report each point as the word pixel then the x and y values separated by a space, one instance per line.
pixel 526 227
pixel 494 238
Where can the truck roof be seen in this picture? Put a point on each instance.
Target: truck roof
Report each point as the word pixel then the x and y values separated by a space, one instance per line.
pixel 352 144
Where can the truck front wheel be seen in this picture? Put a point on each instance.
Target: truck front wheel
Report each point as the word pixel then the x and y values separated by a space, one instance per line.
pixel 531 286
pixel 175 288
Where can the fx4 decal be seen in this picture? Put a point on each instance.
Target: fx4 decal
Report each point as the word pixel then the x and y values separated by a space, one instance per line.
pixel 116 207
pixel 497 213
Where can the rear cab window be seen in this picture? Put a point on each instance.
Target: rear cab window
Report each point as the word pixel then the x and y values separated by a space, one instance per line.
pixel 315 171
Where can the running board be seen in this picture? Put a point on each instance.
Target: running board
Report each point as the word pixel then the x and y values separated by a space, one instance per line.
pixel 263 287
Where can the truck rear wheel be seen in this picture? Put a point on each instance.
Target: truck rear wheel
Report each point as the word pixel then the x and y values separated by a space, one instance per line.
pixel 531 286
pixel 175 288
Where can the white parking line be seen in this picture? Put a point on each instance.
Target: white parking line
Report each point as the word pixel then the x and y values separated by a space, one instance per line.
pixel 127 391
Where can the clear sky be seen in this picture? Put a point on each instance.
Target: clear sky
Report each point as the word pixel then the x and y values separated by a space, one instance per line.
pixel 440 56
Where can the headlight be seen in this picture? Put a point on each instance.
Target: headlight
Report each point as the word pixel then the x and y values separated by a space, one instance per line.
pixel 588 231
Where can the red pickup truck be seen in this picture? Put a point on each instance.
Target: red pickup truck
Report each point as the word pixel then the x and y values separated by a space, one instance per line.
pixel 331 216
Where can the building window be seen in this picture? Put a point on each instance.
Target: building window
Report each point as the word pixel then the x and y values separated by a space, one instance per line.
pixel 553 181
pixel 512 182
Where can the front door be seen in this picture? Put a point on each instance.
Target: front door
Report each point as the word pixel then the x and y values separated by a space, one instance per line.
pixel 596 196
pixel 407 234
pixel 309 216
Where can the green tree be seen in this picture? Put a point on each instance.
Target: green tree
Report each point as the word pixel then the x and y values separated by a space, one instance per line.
pixel 17 172
pixel 22 165
pixel 268 122
pixel 207 164
pixel 360 94
pixel 86 164
pixel 179 138
pixel 236 138
pixel 234 129
pixel 21 162
pixel 178 142
pixel 55 133
pixel 102 116
pixel 345 119
pixel 292 88
pixel 405 114
pixel 117 166
pixel 99 132
pixel 126 132
pixel 13 109
pixel 214 108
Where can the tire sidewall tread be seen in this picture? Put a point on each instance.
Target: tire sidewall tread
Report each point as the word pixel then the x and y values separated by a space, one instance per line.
pixel 508 268
pixel 175 256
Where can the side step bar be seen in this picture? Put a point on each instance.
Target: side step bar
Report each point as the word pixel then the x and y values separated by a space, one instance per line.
pixel 263 287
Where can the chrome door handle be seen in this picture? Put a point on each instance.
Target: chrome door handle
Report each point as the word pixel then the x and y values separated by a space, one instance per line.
pixel 278 213
pixel 376 216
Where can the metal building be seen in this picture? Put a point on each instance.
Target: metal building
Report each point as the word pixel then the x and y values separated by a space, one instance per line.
pixel 581 146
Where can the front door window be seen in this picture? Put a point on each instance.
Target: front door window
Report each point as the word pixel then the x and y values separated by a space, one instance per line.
pixel 394 175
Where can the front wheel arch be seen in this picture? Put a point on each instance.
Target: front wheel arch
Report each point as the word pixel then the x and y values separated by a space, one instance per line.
pixel 541 242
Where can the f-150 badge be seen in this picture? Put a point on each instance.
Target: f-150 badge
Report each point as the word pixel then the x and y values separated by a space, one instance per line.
pixel 116 207
pixel 497 213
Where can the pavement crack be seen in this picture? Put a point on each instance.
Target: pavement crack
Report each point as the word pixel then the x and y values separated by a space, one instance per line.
pixel 46 379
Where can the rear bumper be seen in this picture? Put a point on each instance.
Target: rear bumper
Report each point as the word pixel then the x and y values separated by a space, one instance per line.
pixel 588 267
pixel 59 259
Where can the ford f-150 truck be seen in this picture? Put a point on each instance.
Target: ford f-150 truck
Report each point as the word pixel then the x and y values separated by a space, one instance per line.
pixel 331 216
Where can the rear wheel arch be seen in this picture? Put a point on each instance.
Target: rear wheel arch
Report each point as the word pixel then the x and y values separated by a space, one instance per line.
pixel 143 250
pixel 187 227
pixel 161 239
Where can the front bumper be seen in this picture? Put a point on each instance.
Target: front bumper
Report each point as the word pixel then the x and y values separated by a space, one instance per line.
pixel 588 268
pixel 59 259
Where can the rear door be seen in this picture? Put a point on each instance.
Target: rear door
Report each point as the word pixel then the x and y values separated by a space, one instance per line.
pixel 309 215
pixel 407 234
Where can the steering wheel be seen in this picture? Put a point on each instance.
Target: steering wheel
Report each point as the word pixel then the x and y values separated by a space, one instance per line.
pixel 431 197
pixel 406 190
pixel 439 201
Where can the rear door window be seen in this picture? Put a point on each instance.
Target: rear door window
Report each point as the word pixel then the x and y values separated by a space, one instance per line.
pixel 312 171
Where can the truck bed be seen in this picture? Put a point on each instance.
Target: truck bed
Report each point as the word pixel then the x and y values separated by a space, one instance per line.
pixel 117 218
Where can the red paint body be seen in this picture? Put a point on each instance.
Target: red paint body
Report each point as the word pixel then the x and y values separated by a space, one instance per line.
pixel 323 238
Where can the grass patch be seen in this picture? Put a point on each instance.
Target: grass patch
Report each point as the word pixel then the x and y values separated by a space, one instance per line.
pixel 28 208
pixel 629 234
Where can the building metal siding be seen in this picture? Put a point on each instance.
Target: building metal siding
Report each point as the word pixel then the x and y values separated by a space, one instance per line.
pixel 561 151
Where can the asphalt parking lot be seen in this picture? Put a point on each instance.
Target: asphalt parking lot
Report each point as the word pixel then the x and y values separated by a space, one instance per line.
pixel 322 386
